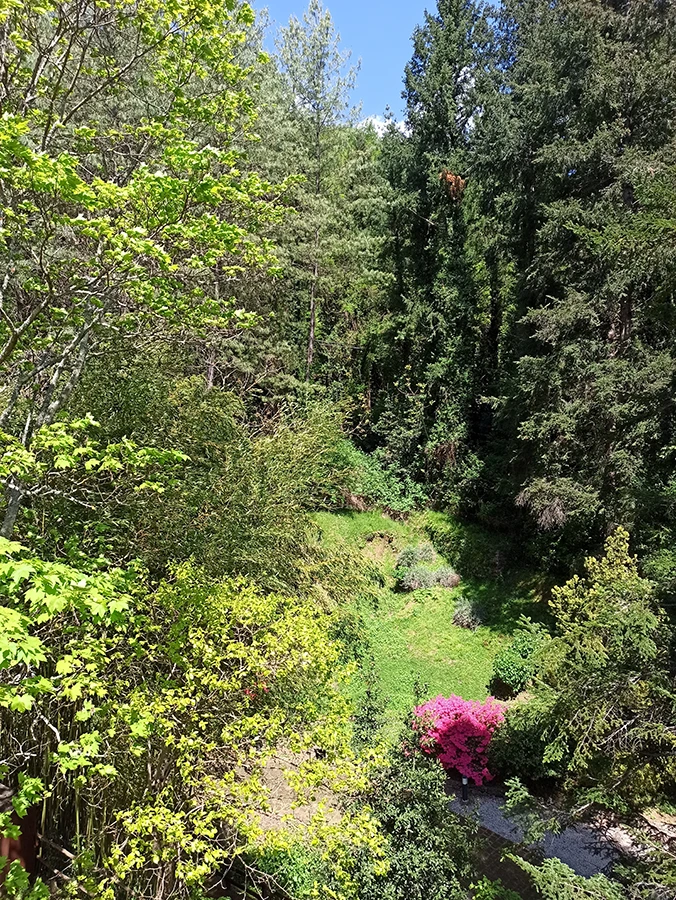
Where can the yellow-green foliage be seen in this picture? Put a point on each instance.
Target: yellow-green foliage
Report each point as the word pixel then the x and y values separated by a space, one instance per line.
pixel 323 860
pixel 612 579
pixel 155 714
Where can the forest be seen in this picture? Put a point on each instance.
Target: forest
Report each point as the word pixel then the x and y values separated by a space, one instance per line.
pixel 337 457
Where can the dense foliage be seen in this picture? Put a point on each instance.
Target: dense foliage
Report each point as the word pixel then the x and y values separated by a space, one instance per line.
pixel 602 712
pixel 228 306
pixel 515 666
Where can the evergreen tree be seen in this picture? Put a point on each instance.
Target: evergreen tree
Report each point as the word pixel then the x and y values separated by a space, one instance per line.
pixel 319 83
pixel 440 316
pixel 583 139
pixel 329 248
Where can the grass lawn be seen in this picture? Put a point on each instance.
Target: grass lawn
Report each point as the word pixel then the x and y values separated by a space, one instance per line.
pixel 412 634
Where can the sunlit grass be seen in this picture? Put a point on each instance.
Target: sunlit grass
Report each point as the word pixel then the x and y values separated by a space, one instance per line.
pixel 412 636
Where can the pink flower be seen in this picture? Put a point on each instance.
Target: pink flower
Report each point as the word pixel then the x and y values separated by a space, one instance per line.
pixel 459 732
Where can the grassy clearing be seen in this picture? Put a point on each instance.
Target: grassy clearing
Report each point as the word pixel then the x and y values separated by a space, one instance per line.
pixel 412 635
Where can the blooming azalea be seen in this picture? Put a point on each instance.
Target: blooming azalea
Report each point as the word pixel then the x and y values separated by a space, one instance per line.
pixel 459 732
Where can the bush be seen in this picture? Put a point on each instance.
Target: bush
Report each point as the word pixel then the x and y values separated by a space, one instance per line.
pixel 447 577
pixel 492 890
pixel 518 748
pixel 376 484
pixel 428 856
pixel 416 578
pixel 458 732
pixel 515 665
pixel 412 574
pixel 468 614
pixel 660 567
pixel 411 556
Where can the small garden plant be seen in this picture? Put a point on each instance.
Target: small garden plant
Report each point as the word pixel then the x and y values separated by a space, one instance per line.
pixel 468 614
pixel 516 664
pixel 415 570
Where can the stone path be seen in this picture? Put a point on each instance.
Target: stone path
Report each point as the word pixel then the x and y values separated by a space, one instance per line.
pixel 581 847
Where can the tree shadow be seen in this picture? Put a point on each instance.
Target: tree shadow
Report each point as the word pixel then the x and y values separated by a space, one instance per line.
pixel 502 602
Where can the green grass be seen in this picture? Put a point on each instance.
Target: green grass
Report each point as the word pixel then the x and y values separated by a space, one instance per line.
pixel 412 636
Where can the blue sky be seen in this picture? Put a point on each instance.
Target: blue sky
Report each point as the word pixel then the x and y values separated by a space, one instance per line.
pixel 377 31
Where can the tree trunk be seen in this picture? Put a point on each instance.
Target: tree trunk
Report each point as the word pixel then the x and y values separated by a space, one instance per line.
pixel 211 368
pixel 14 495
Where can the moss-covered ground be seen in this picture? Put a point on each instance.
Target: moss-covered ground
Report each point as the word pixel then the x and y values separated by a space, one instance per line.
pixel 411 635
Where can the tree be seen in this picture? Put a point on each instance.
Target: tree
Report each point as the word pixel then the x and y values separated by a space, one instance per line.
pixel 319 84
pixel 123 208
pixel 582 132
pixel 604 698
pixel 153 715
pixel 433 358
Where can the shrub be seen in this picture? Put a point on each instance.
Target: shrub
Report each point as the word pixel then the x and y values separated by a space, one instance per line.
pixel 515 665
pixel 458 732
pixel 412 556
pixel 378 485
pixel 660 567
pixel 412 574
pixel 492 890
pixel 520 744
pixel 447 577
pixel 429 846
pixel 468 614
pixel 416 578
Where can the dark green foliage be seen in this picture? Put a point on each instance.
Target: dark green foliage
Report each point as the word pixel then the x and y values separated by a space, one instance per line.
pixel 652 876
pixel 329 248
pixel 427 356
pixel 603 711
pixel 516 665
pixel 585 134
pixel 660 567
pixel 526 360
pixel 240 505
pixel 371 711
pixel 429 845
pixel 492 890
pixel 556 881
pixel 519 746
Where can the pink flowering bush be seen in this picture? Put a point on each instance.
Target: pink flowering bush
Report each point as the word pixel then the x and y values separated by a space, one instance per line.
pixel 458 732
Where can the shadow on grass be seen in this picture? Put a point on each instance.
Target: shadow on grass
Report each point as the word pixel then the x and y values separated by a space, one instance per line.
pixel 503 601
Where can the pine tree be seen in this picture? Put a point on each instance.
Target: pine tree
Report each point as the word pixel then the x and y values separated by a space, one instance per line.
pixel 319 83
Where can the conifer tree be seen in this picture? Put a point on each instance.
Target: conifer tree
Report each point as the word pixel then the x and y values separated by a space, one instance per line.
pixel 590 150
pixel 319 83
pixel 440 309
